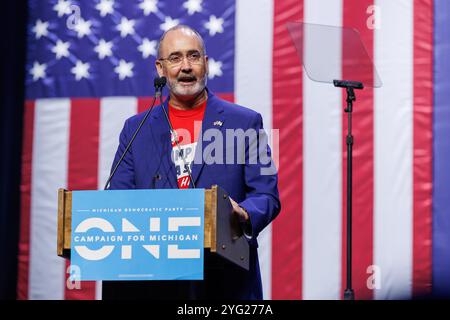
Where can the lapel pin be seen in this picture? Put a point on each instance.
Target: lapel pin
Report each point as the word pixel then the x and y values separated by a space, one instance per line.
pixel 218 123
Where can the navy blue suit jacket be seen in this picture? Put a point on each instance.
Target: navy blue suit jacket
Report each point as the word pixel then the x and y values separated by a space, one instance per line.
pixel 148 165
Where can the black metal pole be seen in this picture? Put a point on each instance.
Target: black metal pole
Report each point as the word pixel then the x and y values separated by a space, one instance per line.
pixel 349 293
pixel 350 87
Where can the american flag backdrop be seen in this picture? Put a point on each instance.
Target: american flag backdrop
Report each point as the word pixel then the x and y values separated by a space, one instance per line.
pixel 90 65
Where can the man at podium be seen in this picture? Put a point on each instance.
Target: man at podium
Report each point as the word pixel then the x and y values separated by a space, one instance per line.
pixel 174 149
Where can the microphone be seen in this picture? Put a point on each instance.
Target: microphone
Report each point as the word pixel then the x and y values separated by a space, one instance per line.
pixel 158 83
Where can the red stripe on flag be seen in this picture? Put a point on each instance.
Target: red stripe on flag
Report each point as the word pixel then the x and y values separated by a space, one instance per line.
pixel 356 15
pixel 25 202
pixel 83 166
pixel 422 158
pixel 144 103
pixel 288 118
pixel 226 96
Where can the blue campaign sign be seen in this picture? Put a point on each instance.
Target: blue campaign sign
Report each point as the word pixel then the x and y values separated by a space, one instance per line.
pixel 137 234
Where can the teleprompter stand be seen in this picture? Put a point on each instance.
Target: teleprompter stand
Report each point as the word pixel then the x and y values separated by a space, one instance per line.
pixel 350 87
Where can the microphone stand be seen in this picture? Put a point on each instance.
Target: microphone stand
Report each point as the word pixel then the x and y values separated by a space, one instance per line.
pixel 159 83
pixel 349 294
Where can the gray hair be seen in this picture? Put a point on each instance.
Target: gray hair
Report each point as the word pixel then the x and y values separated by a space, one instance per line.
pixel 177 27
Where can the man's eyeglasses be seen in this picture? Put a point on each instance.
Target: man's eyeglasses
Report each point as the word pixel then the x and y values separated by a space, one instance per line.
pixel 193 57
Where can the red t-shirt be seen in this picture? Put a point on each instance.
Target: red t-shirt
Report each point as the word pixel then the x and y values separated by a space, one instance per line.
pixel 187 125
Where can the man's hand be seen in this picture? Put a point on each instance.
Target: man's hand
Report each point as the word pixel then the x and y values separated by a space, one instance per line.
pixel 242 214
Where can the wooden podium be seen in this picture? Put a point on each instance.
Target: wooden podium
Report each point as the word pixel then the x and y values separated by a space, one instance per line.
pixel 222 235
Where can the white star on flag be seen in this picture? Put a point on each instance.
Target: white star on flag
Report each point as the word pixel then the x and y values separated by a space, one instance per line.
pixel 126 27
pixel 105 7
pixel 38 70
pixel 103 49
pixel 214 25
pixel 168 23
pixel 62 7
pixel 61 49
pixel 193 6
pixel 149 6
pixel 215 68
pixel 80 70
pixel 40 28
pixel 147 48
pixel 83 28
pixel 124 69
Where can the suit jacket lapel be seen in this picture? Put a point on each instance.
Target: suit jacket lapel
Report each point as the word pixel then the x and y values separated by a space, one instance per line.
pixel 213 118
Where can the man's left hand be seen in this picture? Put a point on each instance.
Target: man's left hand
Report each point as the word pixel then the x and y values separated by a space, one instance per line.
pixel 241 213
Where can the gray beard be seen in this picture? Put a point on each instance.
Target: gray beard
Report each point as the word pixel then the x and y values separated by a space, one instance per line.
pixel 192 91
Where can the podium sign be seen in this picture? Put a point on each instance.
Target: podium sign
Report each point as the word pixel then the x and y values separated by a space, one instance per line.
pixel 137 235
